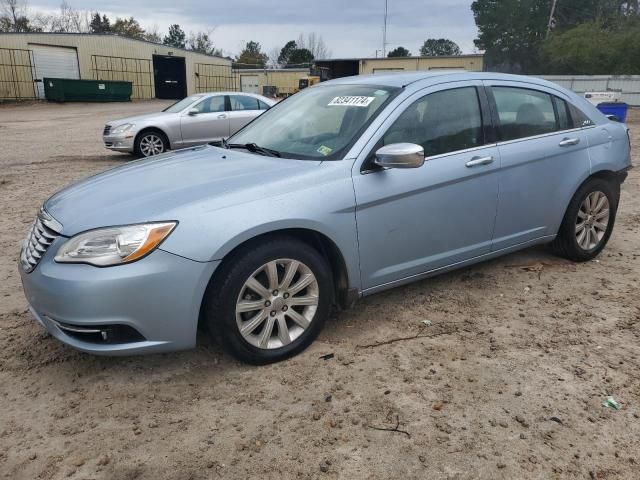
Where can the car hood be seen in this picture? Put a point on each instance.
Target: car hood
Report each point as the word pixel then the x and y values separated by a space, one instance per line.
pixel 171 186
pixel 140 118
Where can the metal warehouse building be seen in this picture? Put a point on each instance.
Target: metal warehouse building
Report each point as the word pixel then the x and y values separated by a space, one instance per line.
pixel 155 71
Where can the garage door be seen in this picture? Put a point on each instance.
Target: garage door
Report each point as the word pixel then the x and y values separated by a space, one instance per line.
pixel 54 62
pixel 249 83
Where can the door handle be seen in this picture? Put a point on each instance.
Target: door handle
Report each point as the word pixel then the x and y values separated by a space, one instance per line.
pixel 567 142
pixel 475 161
pixel 222 115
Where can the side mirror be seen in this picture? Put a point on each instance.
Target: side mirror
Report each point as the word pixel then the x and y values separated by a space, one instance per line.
pixel 614 118
pixel 400 155
pixel 193 111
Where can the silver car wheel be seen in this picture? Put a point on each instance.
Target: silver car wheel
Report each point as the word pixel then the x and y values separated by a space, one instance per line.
pixel 592 220
pixel 277 303
pixel 151 144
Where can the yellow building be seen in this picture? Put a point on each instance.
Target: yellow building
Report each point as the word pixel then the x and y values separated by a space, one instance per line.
pixel 284 80
pixel 156 71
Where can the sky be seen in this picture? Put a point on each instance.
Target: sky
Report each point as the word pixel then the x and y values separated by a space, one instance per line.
pixel 349 28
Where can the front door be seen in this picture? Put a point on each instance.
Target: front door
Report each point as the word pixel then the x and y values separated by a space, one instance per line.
pixel 205 122
pixel 417 220
pixel 542 152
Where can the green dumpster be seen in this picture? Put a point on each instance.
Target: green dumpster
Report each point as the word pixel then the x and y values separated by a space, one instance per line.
pixel 68 90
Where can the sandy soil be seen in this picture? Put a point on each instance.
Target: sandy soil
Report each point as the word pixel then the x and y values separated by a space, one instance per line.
pixel 507 382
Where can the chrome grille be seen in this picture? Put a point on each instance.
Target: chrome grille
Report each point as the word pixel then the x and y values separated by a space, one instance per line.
pixel 41 235
pixel 107 130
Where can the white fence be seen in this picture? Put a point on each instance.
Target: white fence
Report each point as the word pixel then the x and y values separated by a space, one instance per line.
pixel 629 85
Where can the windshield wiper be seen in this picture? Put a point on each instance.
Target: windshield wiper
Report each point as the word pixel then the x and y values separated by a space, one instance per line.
pixel 253 148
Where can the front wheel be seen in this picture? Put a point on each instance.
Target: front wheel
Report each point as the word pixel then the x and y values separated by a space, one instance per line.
pixel 589 220
pixel 270 301
pixel 151 143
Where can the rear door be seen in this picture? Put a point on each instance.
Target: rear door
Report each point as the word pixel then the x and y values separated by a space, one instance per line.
pixel 542 155
pixel 211 122
pixel 243 109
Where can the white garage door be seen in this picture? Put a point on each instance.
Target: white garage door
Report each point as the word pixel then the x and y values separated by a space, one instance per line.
pixel 54 62
pixel 249 83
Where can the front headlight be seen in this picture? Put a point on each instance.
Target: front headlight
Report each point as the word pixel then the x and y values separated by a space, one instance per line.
pixel 122 128
pixel 114 245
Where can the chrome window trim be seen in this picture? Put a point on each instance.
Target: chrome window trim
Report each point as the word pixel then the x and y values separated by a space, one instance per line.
pixel 544 135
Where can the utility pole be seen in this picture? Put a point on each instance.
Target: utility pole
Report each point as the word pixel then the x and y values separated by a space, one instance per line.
pixel 551 17
pixel 384 31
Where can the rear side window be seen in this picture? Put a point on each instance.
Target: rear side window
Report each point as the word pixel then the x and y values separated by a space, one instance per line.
pixel 579 118
pixel 241 102
pixel 564 116
pixel 523 112
pixel 440 122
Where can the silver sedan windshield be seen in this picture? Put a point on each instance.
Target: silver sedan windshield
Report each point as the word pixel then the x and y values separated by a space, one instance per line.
pixel 182 104
pixel 317 123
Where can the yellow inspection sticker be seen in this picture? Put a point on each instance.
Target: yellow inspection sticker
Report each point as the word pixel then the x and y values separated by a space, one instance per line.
pixel 324 150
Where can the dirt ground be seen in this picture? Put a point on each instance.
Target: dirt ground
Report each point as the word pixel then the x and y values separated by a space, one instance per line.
pixel 507 381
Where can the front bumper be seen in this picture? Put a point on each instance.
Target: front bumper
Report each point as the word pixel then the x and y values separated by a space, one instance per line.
pixel 119 143
pixel 157 297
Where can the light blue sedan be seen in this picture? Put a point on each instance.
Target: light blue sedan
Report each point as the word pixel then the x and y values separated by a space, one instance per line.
pixel 343 190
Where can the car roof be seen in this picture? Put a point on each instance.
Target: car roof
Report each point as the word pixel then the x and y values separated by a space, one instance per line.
pixel 402 79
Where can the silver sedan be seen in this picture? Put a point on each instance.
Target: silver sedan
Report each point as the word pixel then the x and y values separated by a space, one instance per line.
pixel 194 120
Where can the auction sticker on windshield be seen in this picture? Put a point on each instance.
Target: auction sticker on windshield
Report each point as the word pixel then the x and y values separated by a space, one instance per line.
pixel 351 101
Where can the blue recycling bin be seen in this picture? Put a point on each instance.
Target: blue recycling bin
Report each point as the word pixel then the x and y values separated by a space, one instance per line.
pixel 619 109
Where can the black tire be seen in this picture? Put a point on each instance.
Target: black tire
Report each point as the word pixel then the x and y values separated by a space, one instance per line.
pixel 138 147
pixel 566 244
pixel 223 293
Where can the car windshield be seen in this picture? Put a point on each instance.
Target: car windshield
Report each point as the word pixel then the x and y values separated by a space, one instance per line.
pixel 319 123
pixel 182 104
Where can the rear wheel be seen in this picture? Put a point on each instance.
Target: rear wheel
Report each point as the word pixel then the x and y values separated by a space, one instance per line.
pixel 589 220
pixel 151 143
pixel 269 302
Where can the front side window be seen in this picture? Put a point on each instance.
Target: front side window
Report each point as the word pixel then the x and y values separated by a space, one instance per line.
pixel 523 112
pixel 211 105
pixel 182 104
pixel 241 102
pixel 319 122
pixel 440 122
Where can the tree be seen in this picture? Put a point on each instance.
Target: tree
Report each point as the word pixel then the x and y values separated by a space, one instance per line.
pixel 287 50
pixel 13 17
pixel 153 35
pixel 439 47
pixel 99 24
pixel 128 27
pixel 595 48
pixel 200 42
pixel 176 37
pixel 252 56
pixel 300 57
pixel 399 52
pixel 315 44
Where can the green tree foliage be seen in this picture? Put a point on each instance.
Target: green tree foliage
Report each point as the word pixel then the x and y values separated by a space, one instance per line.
pixel 252 56
pixel 399 52
pixel 512 32
pixel 594 48
pixel 128 27
pixel 300 57
pixel 201 43
pixel 99 24
pixel 438 47
pixel 286 52
pixel 176 37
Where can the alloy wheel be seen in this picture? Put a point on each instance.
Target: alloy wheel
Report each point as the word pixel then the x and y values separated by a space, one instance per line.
pixel 277 303
pixel 592 220
pixel 151 144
